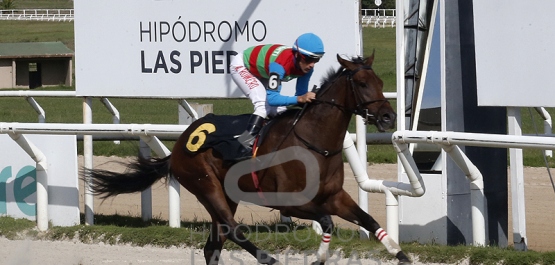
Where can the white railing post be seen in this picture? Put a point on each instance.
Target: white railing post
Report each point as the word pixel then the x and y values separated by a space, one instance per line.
pixel 114 111
pixel 362 154
pixel 42 178
pixel 146 195
pixel 547 126
pixel 516 168
pixel 88 163
pixel 38 109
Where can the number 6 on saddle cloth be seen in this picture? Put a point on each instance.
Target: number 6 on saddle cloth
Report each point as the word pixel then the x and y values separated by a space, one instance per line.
pixel 222 133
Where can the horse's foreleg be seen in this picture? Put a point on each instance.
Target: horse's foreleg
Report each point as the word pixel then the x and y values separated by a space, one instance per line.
pixel 214 244
pixel 308 211
pixel 327 228
pixel 346 208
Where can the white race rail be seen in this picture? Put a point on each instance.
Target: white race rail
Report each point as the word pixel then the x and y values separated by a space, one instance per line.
pixel 173 189
pixel 450 142
pixel 149 137
pixel 547 125
pixel 148 132
pixel 391 189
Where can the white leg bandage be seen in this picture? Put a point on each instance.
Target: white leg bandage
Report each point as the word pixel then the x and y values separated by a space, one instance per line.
pixel 322 254
pixel 392 247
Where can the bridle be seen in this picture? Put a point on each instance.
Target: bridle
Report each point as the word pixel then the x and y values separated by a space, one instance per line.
pixel 358 110
pixel 360 104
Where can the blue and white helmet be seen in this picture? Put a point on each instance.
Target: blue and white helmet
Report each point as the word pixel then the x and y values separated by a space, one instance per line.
pixel 309 45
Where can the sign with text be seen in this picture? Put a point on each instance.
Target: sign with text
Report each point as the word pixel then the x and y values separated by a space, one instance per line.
pixel 18 183
pixel 514 52
pixel 162 48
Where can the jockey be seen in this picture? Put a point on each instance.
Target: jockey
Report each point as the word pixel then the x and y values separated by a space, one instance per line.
pixel 259 71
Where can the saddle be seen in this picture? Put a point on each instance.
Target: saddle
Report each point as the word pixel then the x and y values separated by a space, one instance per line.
pixel 221 133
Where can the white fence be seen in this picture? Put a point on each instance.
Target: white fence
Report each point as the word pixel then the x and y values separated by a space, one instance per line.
pixel 149 133
pixel 37 14
pixel 449 141
pixel 378 18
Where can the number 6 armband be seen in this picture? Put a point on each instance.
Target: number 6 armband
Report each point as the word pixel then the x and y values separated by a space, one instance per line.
pixel 274 82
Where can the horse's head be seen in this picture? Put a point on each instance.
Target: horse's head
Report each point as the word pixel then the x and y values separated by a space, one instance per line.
pixel 367 90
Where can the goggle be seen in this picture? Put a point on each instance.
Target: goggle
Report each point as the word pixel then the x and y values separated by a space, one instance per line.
pixel 310 59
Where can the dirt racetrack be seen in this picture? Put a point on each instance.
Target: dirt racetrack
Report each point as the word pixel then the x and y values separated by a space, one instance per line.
pixel 540 202
pixel 539 215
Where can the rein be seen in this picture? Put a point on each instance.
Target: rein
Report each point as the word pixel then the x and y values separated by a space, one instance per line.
pixel 357 111
pixel 325 153
pixel 359 107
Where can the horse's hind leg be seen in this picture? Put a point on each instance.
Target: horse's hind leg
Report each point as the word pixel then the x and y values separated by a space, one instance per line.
pixel 344 207
pixel 216 239
pixel 309 211
pixel 215 202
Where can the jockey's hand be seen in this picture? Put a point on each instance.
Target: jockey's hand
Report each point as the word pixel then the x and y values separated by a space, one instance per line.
pixel 308 97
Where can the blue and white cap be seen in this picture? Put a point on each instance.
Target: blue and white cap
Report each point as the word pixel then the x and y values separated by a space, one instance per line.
pixel 310 45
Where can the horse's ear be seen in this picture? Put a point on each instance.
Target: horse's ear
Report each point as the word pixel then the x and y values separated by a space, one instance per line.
pixel 370 60
pixel 346 63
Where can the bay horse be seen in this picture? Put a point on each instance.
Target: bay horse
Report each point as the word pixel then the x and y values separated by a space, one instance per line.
pixel 306 181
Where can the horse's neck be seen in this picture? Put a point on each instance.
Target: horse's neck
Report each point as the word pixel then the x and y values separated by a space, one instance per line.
pixel 326 124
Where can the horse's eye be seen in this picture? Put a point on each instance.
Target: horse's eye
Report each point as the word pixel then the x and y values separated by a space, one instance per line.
pixel 362 84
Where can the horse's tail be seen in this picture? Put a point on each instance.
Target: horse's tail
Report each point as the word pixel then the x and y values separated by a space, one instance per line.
pixel 139 175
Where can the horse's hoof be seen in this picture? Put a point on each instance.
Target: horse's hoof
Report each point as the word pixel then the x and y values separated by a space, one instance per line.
pixel 403 259
pixel 317 263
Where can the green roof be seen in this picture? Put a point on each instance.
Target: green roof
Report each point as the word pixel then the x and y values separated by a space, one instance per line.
pixel 34 50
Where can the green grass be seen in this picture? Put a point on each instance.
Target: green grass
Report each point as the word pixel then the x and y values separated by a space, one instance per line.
pixel 14 228
pixel 132 230
pixel 140 111
pixel 273 237
pixel 42 4
pixel 37 31
pixel 381 40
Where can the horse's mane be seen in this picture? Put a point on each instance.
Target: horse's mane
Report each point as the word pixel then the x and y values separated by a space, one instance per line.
pixel 332 74
pixel 326 81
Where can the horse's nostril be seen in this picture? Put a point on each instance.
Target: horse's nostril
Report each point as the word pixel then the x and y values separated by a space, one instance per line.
pixel 388 117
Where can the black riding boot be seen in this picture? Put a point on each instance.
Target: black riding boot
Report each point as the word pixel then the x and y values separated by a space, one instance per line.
pixel 253 127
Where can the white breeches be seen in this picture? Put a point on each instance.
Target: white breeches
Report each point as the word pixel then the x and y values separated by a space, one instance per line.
pixel 252 87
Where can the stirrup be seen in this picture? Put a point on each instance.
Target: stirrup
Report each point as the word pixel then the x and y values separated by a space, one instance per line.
pixel 253 128
pixel 247 140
